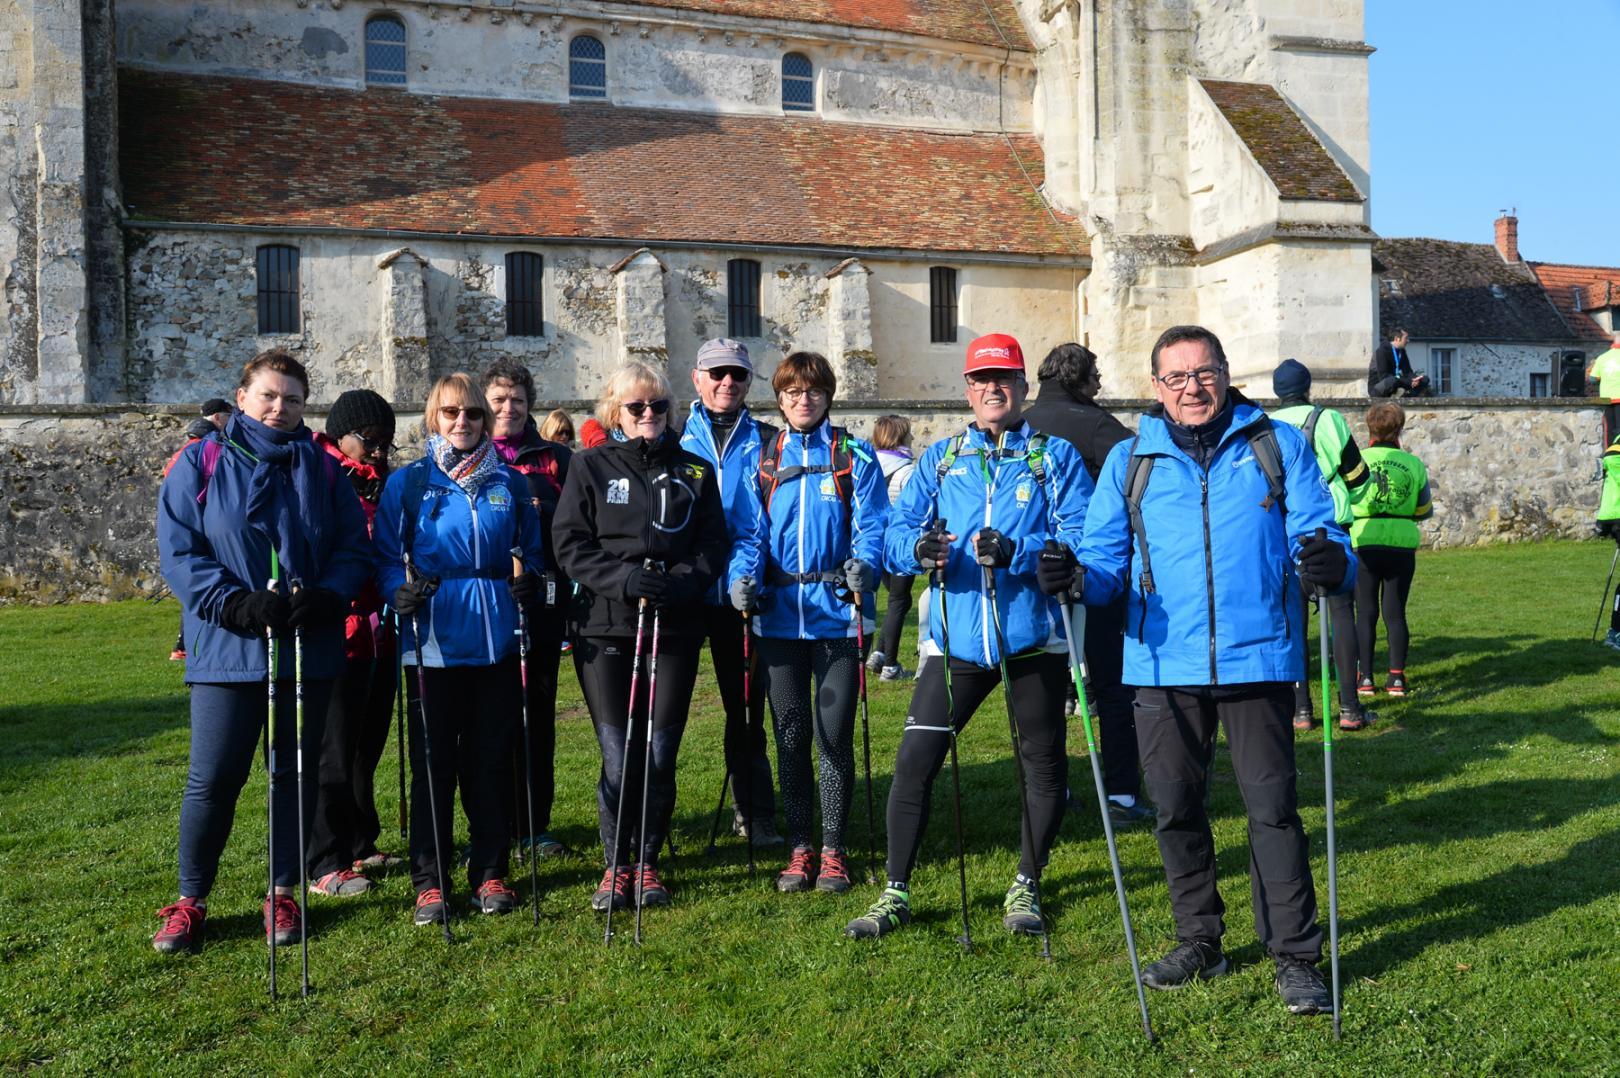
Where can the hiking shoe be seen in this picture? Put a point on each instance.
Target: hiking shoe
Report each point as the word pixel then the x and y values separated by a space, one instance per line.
pixel 645 881
pixel 877 661
pixel 344 883
pixel 765 833
pixel 1611 639
pixel 1304 719
pixel 614 889
pixel 494 896
pixel 182 927
pixel 800 873
pixel 1365 686
pixel 1396 685
pixel 1021 910
pixel 1071 707
pixel 892 910
pixel 1356 718
pixel 894 672
pixel 178 655
pixel 281 919
pixel 1301 986
pixel 1122 816
pixel 378 861
pixel 833 873
pixel 430 907
pixel 544 846
pixel 1187 961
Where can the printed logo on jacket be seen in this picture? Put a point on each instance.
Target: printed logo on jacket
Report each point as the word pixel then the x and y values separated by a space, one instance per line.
pixel 618 492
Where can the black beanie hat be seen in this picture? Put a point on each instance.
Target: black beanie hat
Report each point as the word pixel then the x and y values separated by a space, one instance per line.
pixel 1291 379
pixel 356 409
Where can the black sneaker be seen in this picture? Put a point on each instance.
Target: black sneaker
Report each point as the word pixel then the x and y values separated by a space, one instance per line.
pixel 1356 718
pixel 892 910
pixel 430 908
pixel 494 896
pixel 1301 986
pixel 1188 960
pixel 1123 816
pixel 1304 719
pixel 1021 910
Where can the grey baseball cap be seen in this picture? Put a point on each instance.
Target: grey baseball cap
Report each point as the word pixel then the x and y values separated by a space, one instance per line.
pixel 723 352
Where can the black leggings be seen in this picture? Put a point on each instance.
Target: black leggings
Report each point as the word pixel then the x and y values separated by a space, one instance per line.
pixel 1383 581
pixel 1342 618
pixel 828 712
pixel 894 616
pixel 545 654
pixel 345 827
pixel 1037 700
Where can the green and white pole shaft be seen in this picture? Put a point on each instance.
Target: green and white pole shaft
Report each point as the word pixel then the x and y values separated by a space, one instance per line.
pixel 1323 630
pixel 298 749
pixel 272 660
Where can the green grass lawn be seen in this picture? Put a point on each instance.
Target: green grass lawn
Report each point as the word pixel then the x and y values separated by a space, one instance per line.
pixel 1479 844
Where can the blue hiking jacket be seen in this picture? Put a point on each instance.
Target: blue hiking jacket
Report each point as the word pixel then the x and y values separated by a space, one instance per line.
pixel 467 543
pixel 987 487
pixel 1225 609
pixel 807 529
pixel 736 465
pixel 208 551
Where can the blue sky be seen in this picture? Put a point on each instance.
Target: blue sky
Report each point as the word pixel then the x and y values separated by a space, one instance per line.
pixel 1486 105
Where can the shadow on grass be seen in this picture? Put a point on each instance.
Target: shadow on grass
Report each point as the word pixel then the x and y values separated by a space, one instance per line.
pixel 105 728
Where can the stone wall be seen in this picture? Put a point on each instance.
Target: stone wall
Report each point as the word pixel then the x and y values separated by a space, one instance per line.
pixel 78 484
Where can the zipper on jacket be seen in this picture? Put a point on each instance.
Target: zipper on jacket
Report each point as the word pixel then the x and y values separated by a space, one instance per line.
pixel 720 476
pixel 489 636
pixel 984 595
pixel 804 459
pixel 1209 578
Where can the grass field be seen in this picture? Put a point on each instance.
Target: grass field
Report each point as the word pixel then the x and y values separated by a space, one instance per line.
pixel 1479 843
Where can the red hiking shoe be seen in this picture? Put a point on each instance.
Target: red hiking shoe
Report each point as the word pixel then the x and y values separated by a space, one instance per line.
pixel 344 883
pixel 430 908
pixel 800 873
pixel 182 927
pixel 281 919
pixel 494 896
pixel 652 889
pixel 834 874
pixel 614 889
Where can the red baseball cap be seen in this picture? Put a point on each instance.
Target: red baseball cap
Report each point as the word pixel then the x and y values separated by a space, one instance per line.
pixel 994 352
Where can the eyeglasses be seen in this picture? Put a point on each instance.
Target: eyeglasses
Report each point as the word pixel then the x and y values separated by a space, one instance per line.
pixel 737 374
pixel 374 443
pixel 799 393
pixel 1176 381
pixel 639 408
pixel 452 412
pixel 986 379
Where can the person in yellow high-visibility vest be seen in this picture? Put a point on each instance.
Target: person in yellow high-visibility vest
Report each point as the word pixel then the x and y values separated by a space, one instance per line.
pixel 1605 371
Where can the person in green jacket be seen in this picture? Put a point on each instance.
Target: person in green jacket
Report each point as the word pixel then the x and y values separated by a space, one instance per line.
pixel 1343 470
pixel 1608 522
pixel 1605 370
pixel 1384 532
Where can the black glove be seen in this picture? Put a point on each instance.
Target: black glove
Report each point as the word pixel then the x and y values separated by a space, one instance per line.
pixel 649 584
pixel 1322 562
pixel 310 607
pixel 252 612
pixel 992 549
pixel 932 549
pixel 413 595
pixel 524 587
pixel 1059 574
pixel 682 591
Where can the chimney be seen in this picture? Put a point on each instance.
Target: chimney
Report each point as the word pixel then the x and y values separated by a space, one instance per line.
pixel 1507 237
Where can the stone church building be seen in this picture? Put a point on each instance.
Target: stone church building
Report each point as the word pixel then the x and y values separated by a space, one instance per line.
pixel 398 189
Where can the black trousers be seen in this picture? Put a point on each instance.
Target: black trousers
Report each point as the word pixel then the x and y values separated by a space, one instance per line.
pixel 1342 617
pixel 1037 700
pixel 894 615
pixel 1383 582
pixel 746 761
pixel 470 714
pixel 1176 729
pixel 604 665
pixel 1110 699
pixel 545 656
pixel 345 827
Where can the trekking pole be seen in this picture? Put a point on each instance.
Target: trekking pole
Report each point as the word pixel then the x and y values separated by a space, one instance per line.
pixel 298 750
pixel 720 806
pixel 399 720
pixel 747 794
pixel 646 773
pixel 950 724
pixel 1012 725
pixel 427 760
pixel 1322 631
pixel 528 760
pixel 272 667
pixel 624 771
pixel 866 741
pixel 1070 634
pixel 1603 600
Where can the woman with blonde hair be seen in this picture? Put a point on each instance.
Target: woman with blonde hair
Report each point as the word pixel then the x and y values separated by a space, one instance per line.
pixel 891 437
pixel 639 527
pixel 558 427
pixel 446 529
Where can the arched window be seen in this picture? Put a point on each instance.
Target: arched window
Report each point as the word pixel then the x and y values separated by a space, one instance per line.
pixel 798 83
pixel 587 67
pixel 385 51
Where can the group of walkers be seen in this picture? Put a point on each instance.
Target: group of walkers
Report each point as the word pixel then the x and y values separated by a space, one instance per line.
pixel 468 573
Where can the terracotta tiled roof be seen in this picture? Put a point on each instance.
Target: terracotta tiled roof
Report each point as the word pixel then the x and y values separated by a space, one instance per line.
pixel 1599 286
pixel 1443 290
pixel 953 20
pixel 1279 140
pixel 240 151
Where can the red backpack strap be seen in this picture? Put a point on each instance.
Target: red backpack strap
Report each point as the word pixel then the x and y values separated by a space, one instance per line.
pixel 770 454
pixel 843 464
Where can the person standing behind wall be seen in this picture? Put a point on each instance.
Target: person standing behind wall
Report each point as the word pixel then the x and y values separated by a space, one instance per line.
pixel 891 437
pixel 1608 522
pixel 1337 455
pixel 1605 369
pixel 1067 407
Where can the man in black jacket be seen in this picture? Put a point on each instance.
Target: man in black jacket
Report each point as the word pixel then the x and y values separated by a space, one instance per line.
pixel 1067 409
pixel 1391 370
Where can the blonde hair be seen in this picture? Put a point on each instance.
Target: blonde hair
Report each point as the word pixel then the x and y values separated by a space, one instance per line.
pixel 623 384
pixel 459 389
pixel 558 427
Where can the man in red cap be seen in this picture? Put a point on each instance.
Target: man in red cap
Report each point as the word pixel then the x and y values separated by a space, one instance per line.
pixel 988 498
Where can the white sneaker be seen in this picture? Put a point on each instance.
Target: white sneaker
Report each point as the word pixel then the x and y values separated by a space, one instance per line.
pixel 896 672
pixel 876 661
pixel 1612 639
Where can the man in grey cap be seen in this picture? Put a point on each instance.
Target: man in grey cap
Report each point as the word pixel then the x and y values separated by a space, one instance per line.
pixel 721 431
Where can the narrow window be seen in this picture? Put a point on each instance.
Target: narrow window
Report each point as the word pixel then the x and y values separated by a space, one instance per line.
pixel 587 67
pixel 742 298
pixel 1441 361
pixel 798 83
pixel 1540 384
pixel 524 315
pixel 278 289
pixel 942 305
pixel 385 51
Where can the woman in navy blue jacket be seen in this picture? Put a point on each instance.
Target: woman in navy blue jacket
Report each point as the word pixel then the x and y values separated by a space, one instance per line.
pixel 243 515
pixel 458 513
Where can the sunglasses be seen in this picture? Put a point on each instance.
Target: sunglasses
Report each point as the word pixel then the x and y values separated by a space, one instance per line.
pixel 640 408
pixel 452 412
pixel 737 374
pixel 373 443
